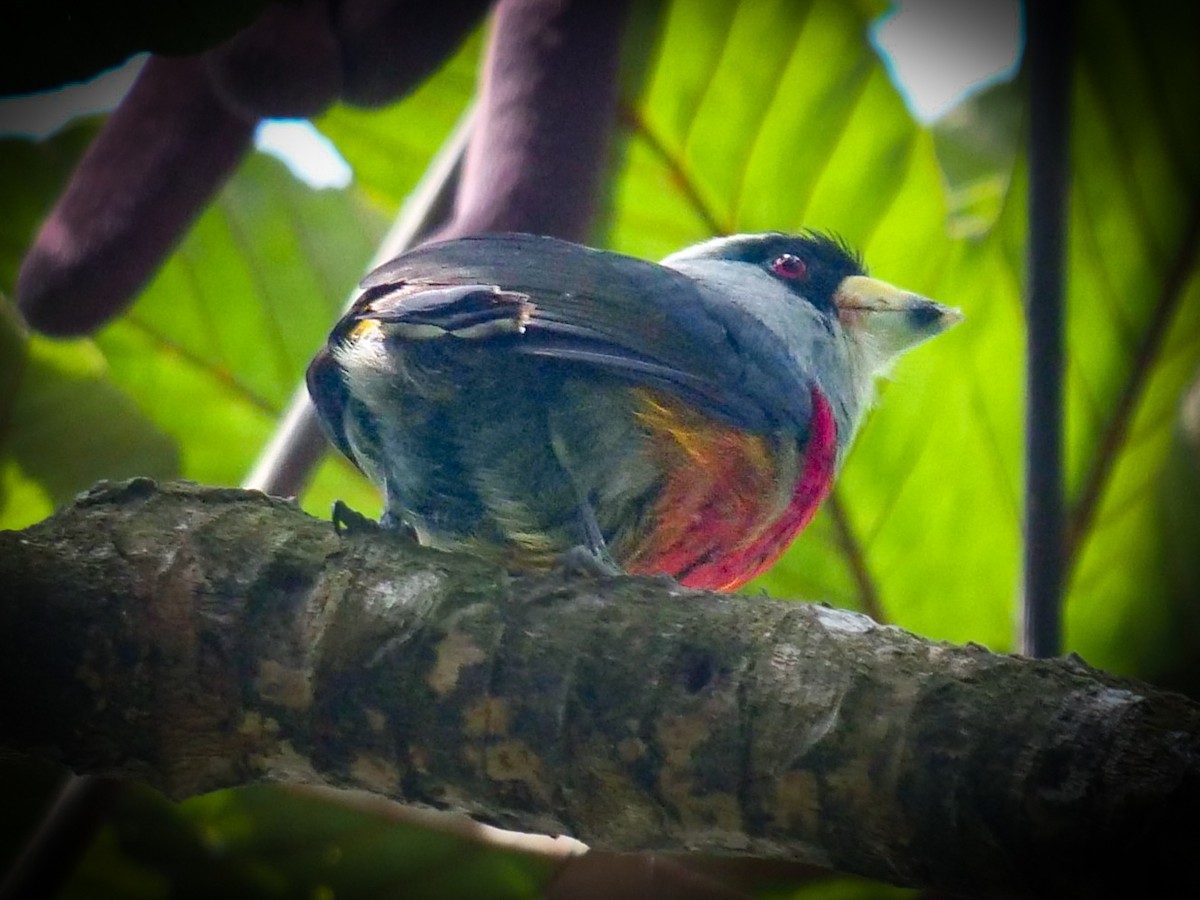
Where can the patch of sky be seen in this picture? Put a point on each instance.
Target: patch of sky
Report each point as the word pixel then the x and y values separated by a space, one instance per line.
pixel 939 52
pixel 309 155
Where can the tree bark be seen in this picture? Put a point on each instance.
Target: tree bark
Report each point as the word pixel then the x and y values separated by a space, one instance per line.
pixel 197 638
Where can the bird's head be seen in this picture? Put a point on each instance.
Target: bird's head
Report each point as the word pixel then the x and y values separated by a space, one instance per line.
pixel 813 292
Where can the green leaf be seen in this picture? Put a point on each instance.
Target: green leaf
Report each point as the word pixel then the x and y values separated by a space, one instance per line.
pixel 1178 516
pixel 1134 327
pixel 271 841
pixel 192 380
pixel 32 174
pixel 977 144
pixel 64 425
pixel 217 343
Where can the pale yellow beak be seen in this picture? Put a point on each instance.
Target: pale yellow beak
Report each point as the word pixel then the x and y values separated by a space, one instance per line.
pixel 893 319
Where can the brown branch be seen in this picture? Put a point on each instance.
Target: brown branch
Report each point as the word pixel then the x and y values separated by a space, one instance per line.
pixel 199 638
pixel 151 170
pixel 547 105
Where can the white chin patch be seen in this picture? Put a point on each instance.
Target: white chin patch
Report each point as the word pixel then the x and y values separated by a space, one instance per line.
pixel 367 365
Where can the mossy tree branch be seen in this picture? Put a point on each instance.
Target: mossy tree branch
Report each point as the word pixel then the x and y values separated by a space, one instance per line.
pixel 199 638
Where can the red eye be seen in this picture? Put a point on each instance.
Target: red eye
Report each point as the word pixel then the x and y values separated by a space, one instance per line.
pixel 790 266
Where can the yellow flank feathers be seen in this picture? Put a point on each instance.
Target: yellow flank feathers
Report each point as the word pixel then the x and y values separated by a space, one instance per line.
pixel 701 440
pixel 363 328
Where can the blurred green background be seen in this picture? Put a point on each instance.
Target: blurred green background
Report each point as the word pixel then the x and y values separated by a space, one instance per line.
pixel 747 116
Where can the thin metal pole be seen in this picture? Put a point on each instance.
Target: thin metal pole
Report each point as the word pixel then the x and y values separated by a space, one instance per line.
pixel 1049 45
pixel 298 444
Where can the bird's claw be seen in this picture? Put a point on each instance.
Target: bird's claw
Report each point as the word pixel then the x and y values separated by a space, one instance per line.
pixel 583 560
pixel 351 521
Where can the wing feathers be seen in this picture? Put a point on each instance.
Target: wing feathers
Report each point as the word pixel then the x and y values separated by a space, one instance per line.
pixel 629 317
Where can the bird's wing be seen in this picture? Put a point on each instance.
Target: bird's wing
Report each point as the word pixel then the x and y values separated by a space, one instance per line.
pixel 629 317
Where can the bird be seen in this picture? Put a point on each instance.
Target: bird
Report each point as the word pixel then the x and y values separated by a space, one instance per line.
pixel 529 399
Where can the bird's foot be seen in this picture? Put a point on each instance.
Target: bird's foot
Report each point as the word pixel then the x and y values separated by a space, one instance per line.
pixel 351 521
pixel 670 582
pixel 591 557
pixel 397 526
pixel 587 561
